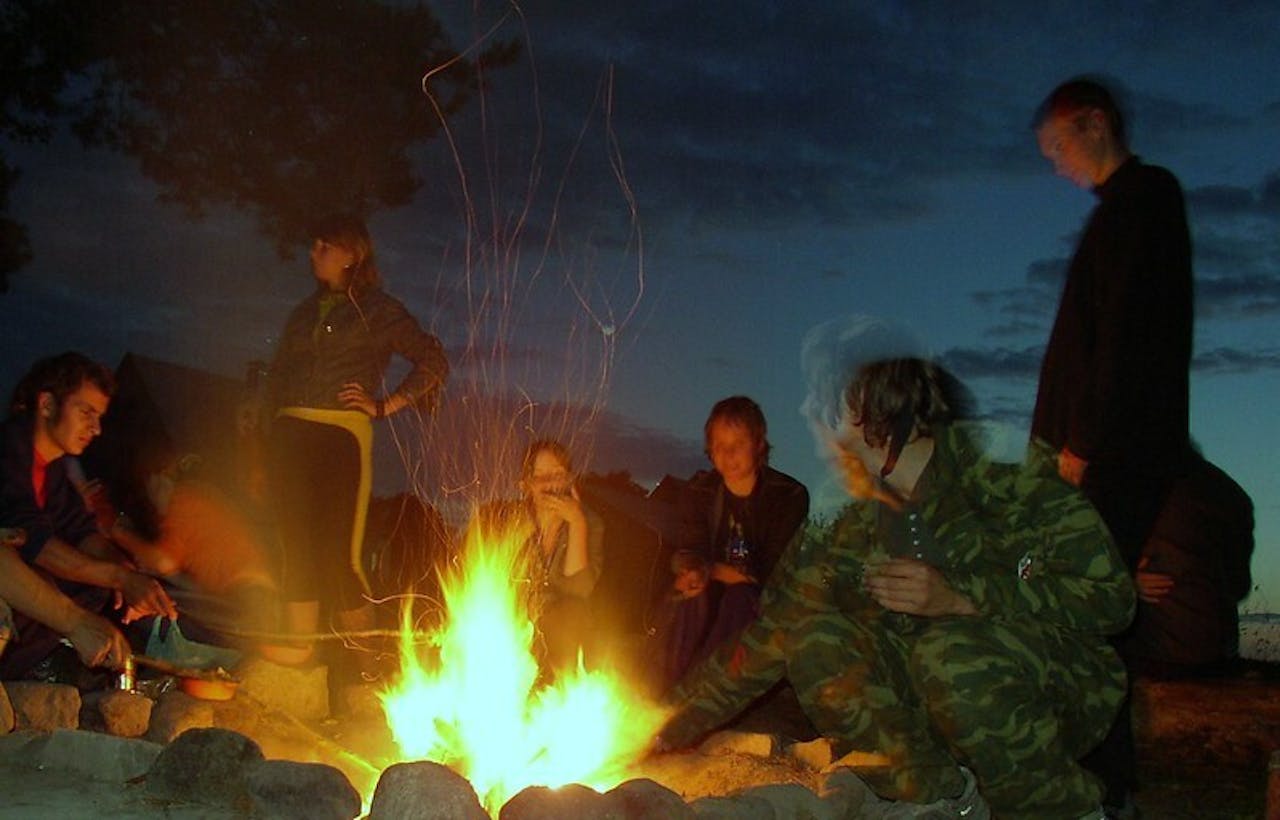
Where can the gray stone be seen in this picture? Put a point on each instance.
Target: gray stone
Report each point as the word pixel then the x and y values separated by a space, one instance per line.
pixel 791 801
pixel 741 807
pixel 644 799
pixel 205 766
pixel 360 700
pixel 285 790
pixel 848 795
pixel 299 691
pixel 423 790
pixel 6 712
pixel 239 714
pixel 125 714
pixel 91 755
pixel 542 803
pixel 44 707
pixel 177 712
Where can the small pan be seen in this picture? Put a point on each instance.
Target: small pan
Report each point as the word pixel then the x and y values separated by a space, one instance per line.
pixel 205 684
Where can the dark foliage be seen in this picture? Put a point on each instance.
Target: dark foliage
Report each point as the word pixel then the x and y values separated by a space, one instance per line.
pixel 270 106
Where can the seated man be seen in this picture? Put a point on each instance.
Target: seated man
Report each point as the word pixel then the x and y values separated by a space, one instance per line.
pixel 1191 577
pixel 56 411
pixel 96 641
pixel 735 522
pixel 954 620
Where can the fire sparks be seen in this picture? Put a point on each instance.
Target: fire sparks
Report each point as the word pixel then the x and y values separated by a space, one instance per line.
pixel 479 707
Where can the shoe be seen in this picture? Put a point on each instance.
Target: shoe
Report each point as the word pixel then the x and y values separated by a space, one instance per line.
pixel 970 805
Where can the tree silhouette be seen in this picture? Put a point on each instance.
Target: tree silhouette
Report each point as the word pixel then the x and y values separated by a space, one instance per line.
pixel 278 107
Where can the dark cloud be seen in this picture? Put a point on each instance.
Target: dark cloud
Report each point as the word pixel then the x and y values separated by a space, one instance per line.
pixel 1230 296
pixel 832 117
pixel 1235 361
pixel 1018 310
pixel 1222 200
pixel 993 363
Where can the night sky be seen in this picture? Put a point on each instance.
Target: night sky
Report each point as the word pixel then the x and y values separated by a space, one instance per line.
pixel 656 204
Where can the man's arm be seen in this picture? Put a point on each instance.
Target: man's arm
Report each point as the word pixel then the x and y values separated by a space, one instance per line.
pixel 97 642
pixel 90 565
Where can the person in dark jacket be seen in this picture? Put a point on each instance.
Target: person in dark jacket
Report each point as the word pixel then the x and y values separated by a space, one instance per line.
pixel 1113 394
pixel 735 523
pixel 74 571
pixel 326 386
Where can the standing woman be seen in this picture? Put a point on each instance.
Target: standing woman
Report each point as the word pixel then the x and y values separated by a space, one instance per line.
pixel 326 387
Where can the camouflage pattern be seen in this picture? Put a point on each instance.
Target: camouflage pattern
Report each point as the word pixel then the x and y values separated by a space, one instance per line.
pixel 1016 694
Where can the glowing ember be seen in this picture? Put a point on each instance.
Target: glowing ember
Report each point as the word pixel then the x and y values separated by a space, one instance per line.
pixel 478 706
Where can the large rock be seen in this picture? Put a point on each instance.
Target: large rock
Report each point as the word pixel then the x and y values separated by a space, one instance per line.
pixel 542 803
pixel 178 712
pixel 299 691
pixel 44 707
pixel 206 766
pixel 125 714
pixel 847 795
pixel 644 799
pixel 740 807
pixel 795 802
pixel 424 791
pixel 285 790
pixel 239 714
pixel 87 755
pixel 6 712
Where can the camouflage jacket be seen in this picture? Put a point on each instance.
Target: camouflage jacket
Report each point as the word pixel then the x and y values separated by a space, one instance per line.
pixel 1015 539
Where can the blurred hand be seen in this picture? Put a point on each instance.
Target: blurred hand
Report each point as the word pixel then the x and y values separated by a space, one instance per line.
pixel 565 506
pixel 143 596
pixel 1071 467
pixel 727 574
pixel 860 483
pixel 104 512
pixel 690 583
pixel 1153 587
pixel 98 643
pixel 913 587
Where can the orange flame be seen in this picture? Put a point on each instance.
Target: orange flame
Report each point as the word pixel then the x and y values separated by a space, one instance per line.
pixel 478 706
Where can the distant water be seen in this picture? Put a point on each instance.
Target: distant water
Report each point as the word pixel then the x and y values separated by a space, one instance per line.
pixel 1260 637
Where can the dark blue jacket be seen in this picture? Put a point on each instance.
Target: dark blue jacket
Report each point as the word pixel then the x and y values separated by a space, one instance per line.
pixel 64 515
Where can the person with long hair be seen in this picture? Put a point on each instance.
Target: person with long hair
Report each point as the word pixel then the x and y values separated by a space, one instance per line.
pixel 562 551
pixel 325 388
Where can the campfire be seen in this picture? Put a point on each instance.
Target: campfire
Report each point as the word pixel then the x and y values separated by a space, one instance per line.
pixel 472 697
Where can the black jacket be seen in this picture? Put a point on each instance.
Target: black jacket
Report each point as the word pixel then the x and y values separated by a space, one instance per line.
pixel 1114 381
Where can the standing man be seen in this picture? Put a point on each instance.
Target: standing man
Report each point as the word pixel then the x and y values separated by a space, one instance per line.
pixel 1113 395
pixel 56 411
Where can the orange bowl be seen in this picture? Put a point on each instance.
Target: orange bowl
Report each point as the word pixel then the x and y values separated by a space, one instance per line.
pixel 208 689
